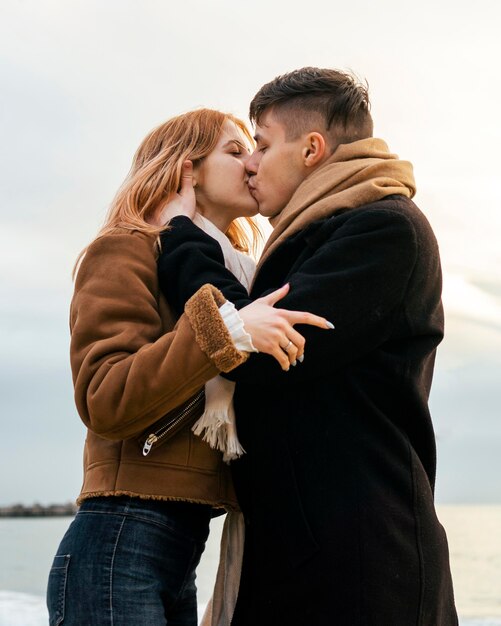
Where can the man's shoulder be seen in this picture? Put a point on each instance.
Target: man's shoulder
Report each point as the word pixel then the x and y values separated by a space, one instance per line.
pixel 394 218
pixel 388 212
pixel 395 211
pixel 397 206
pixel 400 215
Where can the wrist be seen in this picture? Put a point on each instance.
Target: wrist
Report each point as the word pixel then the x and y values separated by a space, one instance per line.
pixel 235 325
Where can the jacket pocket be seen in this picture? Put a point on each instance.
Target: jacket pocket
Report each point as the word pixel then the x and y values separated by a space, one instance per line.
pixel 56 589
pixel 174 421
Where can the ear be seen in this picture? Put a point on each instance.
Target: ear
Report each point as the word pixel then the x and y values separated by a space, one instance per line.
pixel 197 173
pixel 313 149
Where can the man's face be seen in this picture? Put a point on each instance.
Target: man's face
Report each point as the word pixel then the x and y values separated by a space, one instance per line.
pixel 276 167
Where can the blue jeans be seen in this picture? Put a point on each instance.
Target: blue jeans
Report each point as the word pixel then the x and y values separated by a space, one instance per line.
pixel 127 561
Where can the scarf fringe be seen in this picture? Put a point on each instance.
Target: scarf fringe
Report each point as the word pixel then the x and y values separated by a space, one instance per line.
pixel 217 429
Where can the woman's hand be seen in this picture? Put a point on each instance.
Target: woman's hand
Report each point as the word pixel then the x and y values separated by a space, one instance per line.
pixel 181 203
pixel 272 329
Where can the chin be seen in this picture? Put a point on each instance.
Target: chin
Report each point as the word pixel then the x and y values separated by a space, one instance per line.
pixel 267 212
pixel 250 209
pixel 271 210
pixel 244 211
pixel 249 212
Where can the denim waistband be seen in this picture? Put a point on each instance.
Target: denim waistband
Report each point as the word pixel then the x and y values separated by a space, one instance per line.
pixel 190 517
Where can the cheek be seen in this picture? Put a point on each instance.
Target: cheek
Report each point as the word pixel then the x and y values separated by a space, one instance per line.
pixel 218 177
pixel 232 177
pixel 275 167
pixel 226 185
pixel 231 168
pixel 270 175
pixel 284 179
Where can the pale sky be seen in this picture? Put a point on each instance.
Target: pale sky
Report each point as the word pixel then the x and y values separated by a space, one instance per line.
pixel 84 81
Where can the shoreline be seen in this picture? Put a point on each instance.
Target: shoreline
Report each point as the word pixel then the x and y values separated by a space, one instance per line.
pixel 38 510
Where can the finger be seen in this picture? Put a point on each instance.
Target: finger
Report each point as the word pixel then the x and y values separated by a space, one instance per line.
pixel 298 341
pixel 291 353
pixel 281 357
pixel 301 317
pixel 273 297
pixel 186 179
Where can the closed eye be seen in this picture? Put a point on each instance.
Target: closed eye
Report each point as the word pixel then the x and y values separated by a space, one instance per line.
pixel 235 148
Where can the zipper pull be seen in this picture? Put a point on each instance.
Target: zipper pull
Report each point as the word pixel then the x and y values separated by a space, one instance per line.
pixel 148 444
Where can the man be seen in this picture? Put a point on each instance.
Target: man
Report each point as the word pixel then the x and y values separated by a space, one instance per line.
pixel 337 483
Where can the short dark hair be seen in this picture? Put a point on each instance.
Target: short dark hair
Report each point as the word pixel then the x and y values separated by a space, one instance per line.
pixel 306 97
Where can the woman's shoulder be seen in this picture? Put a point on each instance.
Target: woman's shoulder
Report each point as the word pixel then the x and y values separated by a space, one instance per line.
pixel 120 252
pixel 129 242
pixel 121 236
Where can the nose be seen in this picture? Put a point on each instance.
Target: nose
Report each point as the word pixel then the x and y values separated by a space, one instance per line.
pixel 252 163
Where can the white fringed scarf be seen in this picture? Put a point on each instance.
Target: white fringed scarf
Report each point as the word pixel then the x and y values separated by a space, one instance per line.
pixel 217 424
pixel 217 427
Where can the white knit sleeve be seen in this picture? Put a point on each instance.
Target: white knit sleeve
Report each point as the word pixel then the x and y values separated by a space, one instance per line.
pixel 235 326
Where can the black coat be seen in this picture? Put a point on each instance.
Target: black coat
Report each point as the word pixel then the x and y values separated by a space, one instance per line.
pixel 337 483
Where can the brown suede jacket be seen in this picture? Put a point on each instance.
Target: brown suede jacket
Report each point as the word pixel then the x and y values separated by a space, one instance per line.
pixel 132 363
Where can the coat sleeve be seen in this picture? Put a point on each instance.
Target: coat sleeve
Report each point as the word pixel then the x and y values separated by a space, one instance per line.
pixel 191 258
pixel 127 371
pixel 357 279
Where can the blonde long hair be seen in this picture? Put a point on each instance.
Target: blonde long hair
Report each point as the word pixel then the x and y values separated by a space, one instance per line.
pixel 155 174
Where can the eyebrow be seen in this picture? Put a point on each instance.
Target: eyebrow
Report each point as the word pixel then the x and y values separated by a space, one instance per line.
pixel 235 141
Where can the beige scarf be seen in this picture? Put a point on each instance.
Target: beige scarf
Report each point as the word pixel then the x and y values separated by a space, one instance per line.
pixel 217 424
pixel 357 173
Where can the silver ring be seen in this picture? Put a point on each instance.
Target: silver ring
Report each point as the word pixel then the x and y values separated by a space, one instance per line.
pixel 287 346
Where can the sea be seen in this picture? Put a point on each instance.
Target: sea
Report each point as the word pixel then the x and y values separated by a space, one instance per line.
pixel 27 546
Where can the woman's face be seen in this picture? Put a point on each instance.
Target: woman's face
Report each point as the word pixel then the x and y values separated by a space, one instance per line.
pixel 221 180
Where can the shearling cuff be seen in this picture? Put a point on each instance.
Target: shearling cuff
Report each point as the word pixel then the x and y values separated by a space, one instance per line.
pixel 211 333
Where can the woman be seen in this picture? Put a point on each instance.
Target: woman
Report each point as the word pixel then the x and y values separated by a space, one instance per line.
pixel 129 557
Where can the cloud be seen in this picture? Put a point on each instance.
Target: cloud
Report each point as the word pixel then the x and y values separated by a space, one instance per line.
pixel 85 80
pixel 463 298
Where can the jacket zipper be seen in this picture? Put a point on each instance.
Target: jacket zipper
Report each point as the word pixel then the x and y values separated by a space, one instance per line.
pixel 159 434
